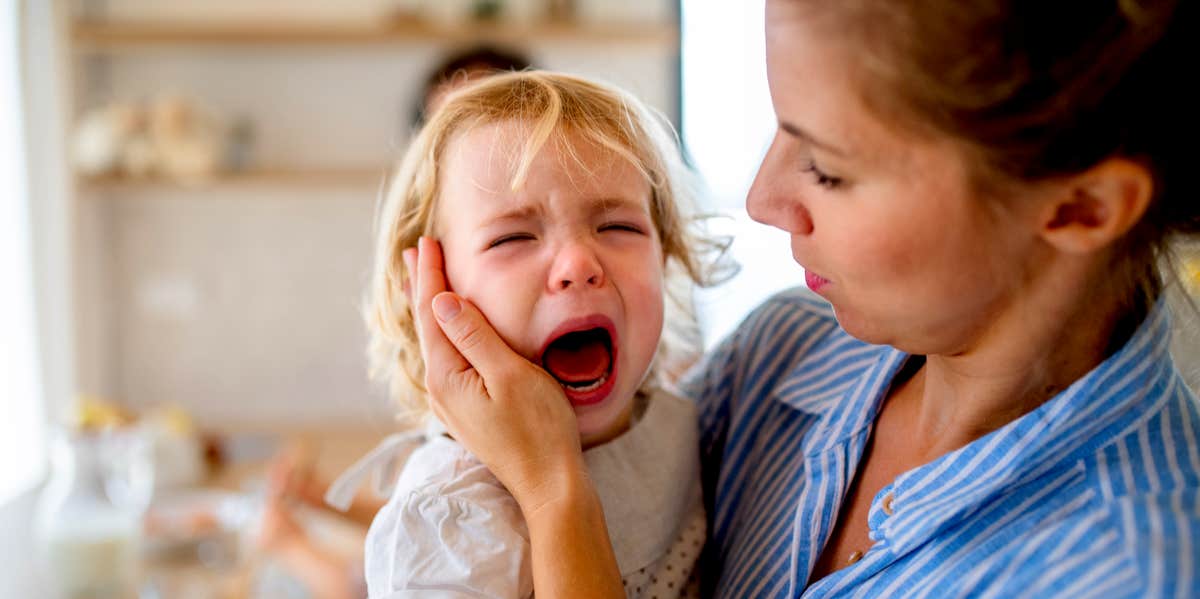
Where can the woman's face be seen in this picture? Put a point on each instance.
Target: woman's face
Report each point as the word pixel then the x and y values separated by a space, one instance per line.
pixel 884 223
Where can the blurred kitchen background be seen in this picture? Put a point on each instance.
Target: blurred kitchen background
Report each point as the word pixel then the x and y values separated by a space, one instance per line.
pixel 185 233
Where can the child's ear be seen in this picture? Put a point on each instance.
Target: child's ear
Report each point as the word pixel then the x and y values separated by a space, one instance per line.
pixel 1092 210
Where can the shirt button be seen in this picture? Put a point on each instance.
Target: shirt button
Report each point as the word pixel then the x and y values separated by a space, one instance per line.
pixel 886 504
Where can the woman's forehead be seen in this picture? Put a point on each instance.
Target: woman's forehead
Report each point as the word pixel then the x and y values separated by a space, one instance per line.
pixel 819 92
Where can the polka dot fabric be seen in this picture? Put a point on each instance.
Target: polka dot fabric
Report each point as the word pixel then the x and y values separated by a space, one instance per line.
pixel 672 575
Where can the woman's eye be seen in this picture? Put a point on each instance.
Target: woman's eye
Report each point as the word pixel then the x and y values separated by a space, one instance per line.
pixel 511 237
pixel 626 227
pixel 822 179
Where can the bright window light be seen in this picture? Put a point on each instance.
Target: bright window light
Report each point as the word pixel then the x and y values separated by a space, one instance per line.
pixel 727 125
pixel 21 442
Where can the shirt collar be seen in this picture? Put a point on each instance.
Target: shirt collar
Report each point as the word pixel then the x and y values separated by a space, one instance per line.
pixel 1106 403
pixel 845 392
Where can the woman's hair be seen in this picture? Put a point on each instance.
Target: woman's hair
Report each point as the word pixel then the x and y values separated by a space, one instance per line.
pixel 551 108
pixel 1035 90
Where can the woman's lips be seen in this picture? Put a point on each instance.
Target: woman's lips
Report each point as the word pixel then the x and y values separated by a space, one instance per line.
pixel 814 281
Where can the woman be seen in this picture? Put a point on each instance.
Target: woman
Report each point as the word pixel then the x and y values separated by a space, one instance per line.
pixel 981 192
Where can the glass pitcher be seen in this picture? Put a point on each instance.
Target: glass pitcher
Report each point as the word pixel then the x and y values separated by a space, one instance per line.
pixel 89 521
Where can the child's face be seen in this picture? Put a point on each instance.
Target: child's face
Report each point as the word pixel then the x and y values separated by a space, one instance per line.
pixel 568 269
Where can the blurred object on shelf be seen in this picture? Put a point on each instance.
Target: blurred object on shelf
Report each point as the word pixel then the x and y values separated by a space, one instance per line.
pixel 525 12
pixel 623 12
pixel 187 139
pixel 171 137
pixel 101 136
pixel 447 13
pixel 89 518
pixel 454 13
pixel 94 413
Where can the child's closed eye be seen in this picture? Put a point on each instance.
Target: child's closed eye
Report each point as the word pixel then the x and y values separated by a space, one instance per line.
pixel 509 238
pixel 622 227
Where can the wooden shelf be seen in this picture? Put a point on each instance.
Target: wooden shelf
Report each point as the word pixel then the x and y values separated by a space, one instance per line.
pixel 364 177
pixel 103 37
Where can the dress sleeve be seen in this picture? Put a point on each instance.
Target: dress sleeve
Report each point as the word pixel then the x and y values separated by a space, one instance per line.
pixel 438 546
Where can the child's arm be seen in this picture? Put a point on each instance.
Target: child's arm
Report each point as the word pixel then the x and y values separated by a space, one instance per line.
pixel 514 417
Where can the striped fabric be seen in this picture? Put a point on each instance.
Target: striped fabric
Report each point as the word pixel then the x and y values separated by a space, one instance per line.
pixel 1096 493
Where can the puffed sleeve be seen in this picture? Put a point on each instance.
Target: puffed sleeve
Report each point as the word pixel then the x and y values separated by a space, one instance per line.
pixel 447 547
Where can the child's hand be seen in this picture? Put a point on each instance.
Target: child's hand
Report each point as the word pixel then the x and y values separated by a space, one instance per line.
pixel 506 410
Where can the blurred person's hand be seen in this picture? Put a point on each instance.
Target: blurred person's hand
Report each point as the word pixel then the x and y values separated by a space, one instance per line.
pixel 278 527
pixel 290 476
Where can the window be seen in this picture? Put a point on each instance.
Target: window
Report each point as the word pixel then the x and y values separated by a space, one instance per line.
pixel 727 125
pixel 21 441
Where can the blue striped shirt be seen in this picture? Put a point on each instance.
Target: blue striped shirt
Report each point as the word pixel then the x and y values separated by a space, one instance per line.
pixel 1095 493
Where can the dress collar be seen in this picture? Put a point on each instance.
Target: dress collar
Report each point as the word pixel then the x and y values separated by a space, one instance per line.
pixel 648 480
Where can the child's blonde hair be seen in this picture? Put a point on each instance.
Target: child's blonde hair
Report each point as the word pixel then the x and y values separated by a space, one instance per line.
pixel 555 108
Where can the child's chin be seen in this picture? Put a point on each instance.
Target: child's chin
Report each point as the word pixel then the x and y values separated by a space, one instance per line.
pixel 600 423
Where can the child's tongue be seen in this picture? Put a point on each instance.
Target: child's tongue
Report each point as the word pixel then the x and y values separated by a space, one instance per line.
pixel 575 359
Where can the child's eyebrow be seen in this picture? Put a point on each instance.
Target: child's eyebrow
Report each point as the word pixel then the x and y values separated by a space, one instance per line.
pixel 592 206
pixel 518 213
pixel 606 204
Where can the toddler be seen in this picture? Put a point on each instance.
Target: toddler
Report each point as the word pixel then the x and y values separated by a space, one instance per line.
pixel 558 203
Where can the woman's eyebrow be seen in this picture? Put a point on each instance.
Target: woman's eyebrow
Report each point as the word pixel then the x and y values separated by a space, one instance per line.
pixel 807 137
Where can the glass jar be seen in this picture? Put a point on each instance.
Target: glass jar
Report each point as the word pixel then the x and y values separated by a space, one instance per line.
pixel 89 521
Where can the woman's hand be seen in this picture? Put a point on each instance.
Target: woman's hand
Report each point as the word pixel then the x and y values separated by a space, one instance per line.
pixel 515 418
pixel 506 410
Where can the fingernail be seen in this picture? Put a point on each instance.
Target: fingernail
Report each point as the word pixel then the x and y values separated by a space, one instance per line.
pixel 446 306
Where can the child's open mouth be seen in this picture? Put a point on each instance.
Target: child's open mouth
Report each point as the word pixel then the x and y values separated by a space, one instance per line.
pixel 582 362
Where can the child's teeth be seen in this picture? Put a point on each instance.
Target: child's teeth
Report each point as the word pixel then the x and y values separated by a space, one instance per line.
pixel 591 387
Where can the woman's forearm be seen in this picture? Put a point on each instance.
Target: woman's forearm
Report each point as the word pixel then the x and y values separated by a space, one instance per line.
pixel 571 552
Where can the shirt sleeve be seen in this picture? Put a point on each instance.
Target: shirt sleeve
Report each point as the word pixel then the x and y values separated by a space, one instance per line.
pixel 443 547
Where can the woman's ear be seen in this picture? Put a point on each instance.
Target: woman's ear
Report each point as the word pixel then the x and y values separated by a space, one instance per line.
pixel 1092 210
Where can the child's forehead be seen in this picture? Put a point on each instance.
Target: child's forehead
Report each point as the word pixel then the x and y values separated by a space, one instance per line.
pixel 508 142
pixel 480 179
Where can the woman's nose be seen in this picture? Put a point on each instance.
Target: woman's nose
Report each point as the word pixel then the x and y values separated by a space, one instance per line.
pixel 576 266
pixel 772 199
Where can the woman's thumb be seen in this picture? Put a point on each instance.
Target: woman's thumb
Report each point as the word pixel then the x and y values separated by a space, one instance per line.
pixel 471 334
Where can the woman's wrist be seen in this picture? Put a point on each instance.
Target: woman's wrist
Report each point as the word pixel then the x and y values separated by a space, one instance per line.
pixel 561 485
pixel 572 554
pixel 564 487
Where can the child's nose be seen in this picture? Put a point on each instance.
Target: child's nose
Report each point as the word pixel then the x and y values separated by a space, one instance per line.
pixel 576 266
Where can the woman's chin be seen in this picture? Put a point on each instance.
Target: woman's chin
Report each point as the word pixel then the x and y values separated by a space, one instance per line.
pixel 858 327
